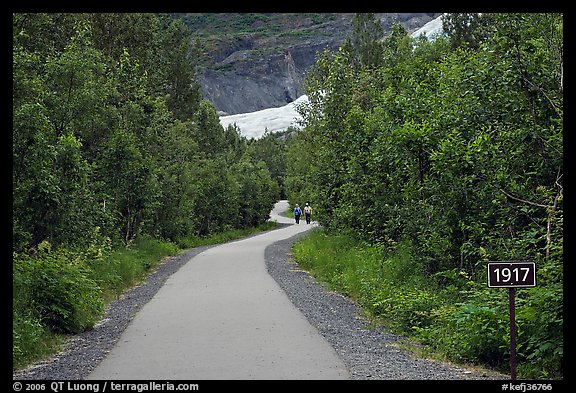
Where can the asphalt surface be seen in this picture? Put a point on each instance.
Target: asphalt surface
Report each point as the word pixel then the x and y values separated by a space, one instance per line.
pixel 239 325
pixel 222 316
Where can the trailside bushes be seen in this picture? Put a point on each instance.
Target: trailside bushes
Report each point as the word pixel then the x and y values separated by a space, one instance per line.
pixel 112 146
pixel 453 148
pixel 57 289
pixel 461 320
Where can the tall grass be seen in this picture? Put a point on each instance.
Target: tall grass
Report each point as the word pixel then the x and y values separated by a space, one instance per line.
pixel 392 288
pixel 450 315
pixel 127 266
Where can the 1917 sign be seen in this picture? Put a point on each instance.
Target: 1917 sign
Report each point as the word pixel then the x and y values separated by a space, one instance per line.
pixel 511 274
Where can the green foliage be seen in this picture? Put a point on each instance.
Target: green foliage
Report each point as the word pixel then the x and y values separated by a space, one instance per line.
pixel 57 288
pixel 453 149
pixel 125 267
pixel 541 314
pixel 257 194
pixel 110 131
pixel 115 156
pixel 460 320
pixel 271 149
pixel 30 339
pixel 365 274
pixel 367 33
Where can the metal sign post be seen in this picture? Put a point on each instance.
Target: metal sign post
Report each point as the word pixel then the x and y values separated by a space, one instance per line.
pixel 512 275
pixel 512 308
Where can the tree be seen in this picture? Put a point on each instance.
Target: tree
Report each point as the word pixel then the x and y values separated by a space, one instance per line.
pixel 178 60
pixel 468 30
pixel 113 33
pixel 207 129
pixel 129 179
pixel 77 90
pixel 366 40
pixel 55 106
pixel 258 192
pixel 271 149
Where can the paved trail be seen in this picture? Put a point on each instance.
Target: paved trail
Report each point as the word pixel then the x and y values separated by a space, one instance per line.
pixel 222 316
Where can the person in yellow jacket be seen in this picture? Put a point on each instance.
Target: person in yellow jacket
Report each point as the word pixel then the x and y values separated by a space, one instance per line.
pixel 307 212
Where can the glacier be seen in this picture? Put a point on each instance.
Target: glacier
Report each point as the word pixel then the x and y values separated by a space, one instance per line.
pixel 255 124
pixel 431 29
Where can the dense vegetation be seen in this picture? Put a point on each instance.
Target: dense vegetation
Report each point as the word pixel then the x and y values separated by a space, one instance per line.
pixel 116 156
pixel 423 160
pixel 435 158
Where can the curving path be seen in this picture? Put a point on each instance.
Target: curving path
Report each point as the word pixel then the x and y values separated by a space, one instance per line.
pixel 222 316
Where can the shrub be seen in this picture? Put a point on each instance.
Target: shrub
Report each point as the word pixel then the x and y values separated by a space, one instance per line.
pixel 541 319
pixel 30 340
pixel 57 288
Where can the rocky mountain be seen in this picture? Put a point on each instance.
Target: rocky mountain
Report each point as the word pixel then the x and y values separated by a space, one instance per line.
pixel 250 62
pixel 255 124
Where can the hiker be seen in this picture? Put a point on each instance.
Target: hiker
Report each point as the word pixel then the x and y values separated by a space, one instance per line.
pixel 297 214
pixel 307 212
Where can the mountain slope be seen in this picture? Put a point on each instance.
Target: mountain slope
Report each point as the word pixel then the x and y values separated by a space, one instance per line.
pixel 251 62
pixel 254 124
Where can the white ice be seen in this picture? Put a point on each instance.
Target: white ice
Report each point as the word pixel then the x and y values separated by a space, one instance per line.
pixel 254 124
pixel 430 29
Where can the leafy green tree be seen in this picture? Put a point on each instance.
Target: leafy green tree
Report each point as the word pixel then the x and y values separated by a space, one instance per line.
pixel 35 187
pixel 77 91
pixel 468 30
pixel 113 33
pixel 51 174
pixel 258 192
pixel 45 34
pixel 208 131
pixel 271 148
pixel 410 152
pixel 216 197
pixel 128 176
pixel 178 61
pixel 176 158
pixel 366 40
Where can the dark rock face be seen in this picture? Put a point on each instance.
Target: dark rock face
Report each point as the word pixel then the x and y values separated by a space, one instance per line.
pixel 257 83
pixel 253 72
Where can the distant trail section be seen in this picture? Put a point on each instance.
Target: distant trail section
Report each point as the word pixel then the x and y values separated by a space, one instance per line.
pixel 276 213
pixel 222 316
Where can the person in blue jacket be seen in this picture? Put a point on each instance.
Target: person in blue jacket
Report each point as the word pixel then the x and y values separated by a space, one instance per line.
pixel 297 214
